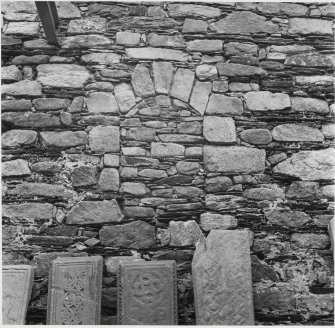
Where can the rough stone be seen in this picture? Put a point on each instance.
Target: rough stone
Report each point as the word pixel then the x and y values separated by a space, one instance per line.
pixel 46 167
pixel 18 138
pixel 234 159
pixel 33 120
pixel 237 48
pixel 15 105
pixel 304 190
pixel 159 149
pixel 206 72
pixel 200 94
pixel 187 191
pixel 265 100
pixel 30 60
pixel 152 173
pixel 223 259
pixel 162 73
pixel 67 10
pixel 291 49
pixel 89 25
pixel 142 82
pixel 76 105
pixel 314 79
pixel 109 180
pixel 156 11
pixel 218 184
pixel 182 84
pixel 22 28
pixel 111 160
pixel 256 136
pixel 261 271
pixel 309 240
pixel 232 70
pixel 94 212
pixel 64 139
pixel 309 165
pixel 136 189
pixel 104 139
pixel 28 189
pixel 107 58
pixel 10 74
pixel 312 105
pixel 219 129
pixel 287 218
pixel 128 39
pixel 22 88
pixel 150 53
pixel 62 75
pixel 294 132
pixel 194 26
pixel 310 60
pixel 17 167
pixel 328 192
pixel 290 9
pixel 102 102
pixel 263 193
pixel 190 127
pixel 244 22
pixel 137 235
pixel 124 97
pixel 192 10
pixel 221 104
pixel 85 41
pixel 83 176
pixel 307 26
pixel 171 41
pixel 204 46
pixel 35 211
pixel 51 103
pixel 139 212
pixel 188 168
pixel 112 263
pixel 214 221
pixel 328 130
pixel 18 7
pixel 185 233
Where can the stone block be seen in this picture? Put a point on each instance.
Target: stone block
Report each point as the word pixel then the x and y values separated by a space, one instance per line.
pixel 309 240
pixel 35 211
pixel 125 97
pixel 104 139
pixel 17 284
pixel 182 84
pixel 266 101
pixel 159 149
pixel 85 41
pixel 256 136
pixel 215 221
pixel 142 82
pixel 10 74
pixel 102 102
pixel 296 133
pixel 263 193
pixel 309 105
pixel 109 180
pixel 64 139
pixel 200 94
pixel 219 183
pixel 29 119
pixel 22 28
pixel 67 10
pixel 94 212
pixel 16 105
pixel 18 138
pixel 15 168
pixel 147 293
pixel 218 129
pixel 311 60
pixel 222 281
pixel 74 296
pixel 221 104
pixel 206 72
pixel 185 233
pixel 286 218
pixel 306 26
pixel 89 25
pixel 136 189
pixel 194 26
pixel 111 160
pixel 192 10
pixel 83 176
pixel 204 46
pixel 304 190
pixel 331 232
pixel 30 60
pixel 51 103
pixel 162 73
pixel 151 53
pixel 233 70
pixel 237 48
pixel 107 58
pixel 22 88
pixel 234 159
pixel 170 41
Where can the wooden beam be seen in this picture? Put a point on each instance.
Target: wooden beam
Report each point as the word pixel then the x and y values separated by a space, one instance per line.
pixel 49 18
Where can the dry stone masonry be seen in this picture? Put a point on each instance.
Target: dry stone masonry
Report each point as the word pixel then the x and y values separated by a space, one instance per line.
pixel 154 125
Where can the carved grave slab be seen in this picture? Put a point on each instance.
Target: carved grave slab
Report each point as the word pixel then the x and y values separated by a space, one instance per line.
pixel 147 293
pixel 74 296
pixel 17 283
pixel 222 282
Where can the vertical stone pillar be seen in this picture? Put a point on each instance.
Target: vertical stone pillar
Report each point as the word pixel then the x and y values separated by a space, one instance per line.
pixel 222 281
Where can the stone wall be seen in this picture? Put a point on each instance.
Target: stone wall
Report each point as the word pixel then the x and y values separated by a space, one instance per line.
pixel 154 123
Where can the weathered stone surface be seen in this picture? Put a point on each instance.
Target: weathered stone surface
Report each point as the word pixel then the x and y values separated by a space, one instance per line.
pixel 311 60
pixel 29 119
pixel 328 130
pixel 219 129
pixel 89 25
pixel 287 218
pixel 256 136
pixel 294 132
pixel 62 75
pixel 180 138
pixel 28 189
pixel 290 9
pixel 223 202
pixel 188 168
pixel 309 165
pixel 187 191
pixel 220 86
pixel 192 10
pixel 17 285
pixel 331 232
pixel 112 263
pixel 265 100
pixel 221 104
pixel 136 189
pixel 109 180
pixel 214 221
pixel 190 127
pixel 204 46
pixel 111 160
pixel 185 233
pixel 22 88
pixel 67 10
pixel 171 41
pixel 234 159
pixel 155 11
pixel 128 39
pixel 231 69
pixel 30 60
pixel 64 139
pixel 312 105
pixel 84 176
pixel 206 72
pixel 200 94
pixel 314 79
pixel 159 149
pixel 22 28
pixel 221 266
pixel 67 275
pixel 18 138
pixel 244 22
pixel 309 240
pixel 37 211
pixel 10 74
pixel 194 26
pixel 182 84
pixel 46 167
pixel 139 212
pixel 94 212
pixel 141 134
pixel 218 184
pixel 142 82
pixel 51 103
pixel 125 97
pixel 102 102
pixel 107 58
pixel 153 302
pixel 85 41
pixel 17 167
pixel 104 139
pixel 18 7
pixel 150 53
pixel 304 190
pixel 263 193
pixel 291 49
pixel 237 48
pixel 307 26
pixel 15 105
pixel 152 173
pixel 135 235
pixel 162 73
